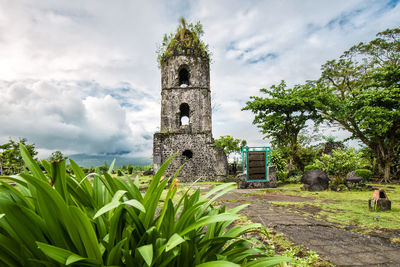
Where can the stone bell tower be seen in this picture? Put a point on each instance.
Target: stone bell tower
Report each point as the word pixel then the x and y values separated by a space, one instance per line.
pixel 186 128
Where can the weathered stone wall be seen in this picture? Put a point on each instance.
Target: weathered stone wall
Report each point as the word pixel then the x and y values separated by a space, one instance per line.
pixel 199 101
pixel 207 163
pixel 199 72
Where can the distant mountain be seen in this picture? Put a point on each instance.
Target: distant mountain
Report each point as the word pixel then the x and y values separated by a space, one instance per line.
pixel 86 161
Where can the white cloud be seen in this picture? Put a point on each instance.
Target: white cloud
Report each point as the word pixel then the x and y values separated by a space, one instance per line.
pixel 63 116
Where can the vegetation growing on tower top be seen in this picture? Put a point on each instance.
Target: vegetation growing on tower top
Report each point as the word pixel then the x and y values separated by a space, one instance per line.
pixel 186 41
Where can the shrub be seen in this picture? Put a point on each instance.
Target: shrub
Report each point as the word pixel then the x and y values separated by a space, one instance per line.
pixel 119 172
pixel 364 173
pixel 282 176
pixel 341 162
pixel 310 168
pixel 61 219
pixel 130 169
pixel 294 179
pixel 278 159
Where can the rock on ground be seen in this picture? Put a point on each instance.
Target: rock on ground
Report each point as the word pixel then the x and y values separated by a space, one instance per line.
pixel 315 180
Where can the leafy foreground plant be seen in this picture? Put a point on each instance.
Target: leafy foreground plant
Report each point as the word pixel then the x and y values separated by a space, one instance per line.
pixel 62 219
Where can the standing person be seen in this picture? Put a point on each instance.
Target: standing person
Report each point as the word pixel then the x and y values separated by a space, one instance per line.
pixel 234 168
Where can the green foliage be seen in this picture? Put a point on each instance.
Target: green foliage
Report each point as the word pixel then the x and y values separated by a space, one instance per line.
pixel 130 169
pixel 58 219
pixel 186 41
pixel 296 179
pixel 305 155
pixel 330 139
pixel 91 169
pixel 279 159
pixel 10 157
pixel 361 92
pixel 282 114
pixel 364 173
pixel 341 162
pixel 56 156
pixel 310 168
pixel 119 172
pixel 230 145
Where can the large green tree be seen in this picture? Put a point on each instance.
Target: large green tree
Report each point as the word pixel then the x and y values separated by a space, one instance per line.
pixel 10 157
pixel 230 145
pixel 282 114
pixel 361 92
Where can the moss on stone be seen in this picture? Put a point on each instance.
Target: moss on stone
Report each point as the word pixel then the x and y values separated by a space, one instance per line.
pixel 186 41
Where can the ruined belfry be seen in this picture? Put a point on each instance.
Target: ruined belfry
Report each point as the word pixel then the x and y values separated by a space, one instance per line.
pixel 186 128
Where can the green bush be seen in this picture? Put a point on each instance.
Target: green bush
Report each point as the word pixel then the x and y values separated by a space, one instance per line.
pixel 341 162
pixel 310 168
pixel 130 169
pixel 364 173
pixel 278 159
pixel 59 219
pixel 293 179
pixel 119 172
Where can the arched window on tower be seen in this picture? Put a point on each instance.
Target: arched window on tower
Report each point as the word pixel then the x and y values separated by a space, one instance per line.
pixel 183 77
pixel 184 114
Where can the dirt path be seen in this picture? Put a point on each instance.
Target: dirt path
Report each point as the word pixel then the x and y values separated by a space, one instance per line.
pixel 341 247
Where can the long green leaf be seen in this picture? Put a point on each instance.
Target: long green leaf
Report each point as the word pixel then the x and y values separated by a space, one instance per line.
pixel 218 264
pixel 136 204
pixel 31 163
pixel 147 253
pixel 171 192
pixel 114 258
pixel 106 208
pixel 216 189
pixel 117 196
pixel 174 241
pixel 59 179
pixel 11 247
pixel 208 220
pixel 155 182
pixel 110 169
pixel 60 255
pixel 53 213
pixel 80 176
pixel 87 233
pixel 269 261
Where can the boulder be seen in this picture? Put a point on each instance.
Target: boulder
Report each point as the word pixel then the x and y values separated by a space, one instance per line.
pixel 351 174
pixel 315 180
pixel 149 172
pixel 354 179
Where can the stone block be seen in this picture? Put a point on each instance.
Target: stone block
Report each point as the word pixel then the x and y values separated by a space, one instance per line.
pixel 379 204
pixel 243 184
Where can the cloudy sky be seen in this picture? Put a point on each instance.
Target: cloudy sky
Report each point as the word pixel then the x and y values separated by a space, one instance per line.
pixel 82 77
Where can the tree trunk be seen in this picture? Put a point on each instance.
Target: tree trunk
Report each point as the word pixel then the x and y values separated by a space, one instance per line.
pixel 290 164
pixel 384 159
pixel 386 176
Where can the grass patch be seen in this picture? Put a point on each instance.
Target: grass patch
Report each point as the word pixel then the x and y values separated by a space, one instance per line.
pixel 348 207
